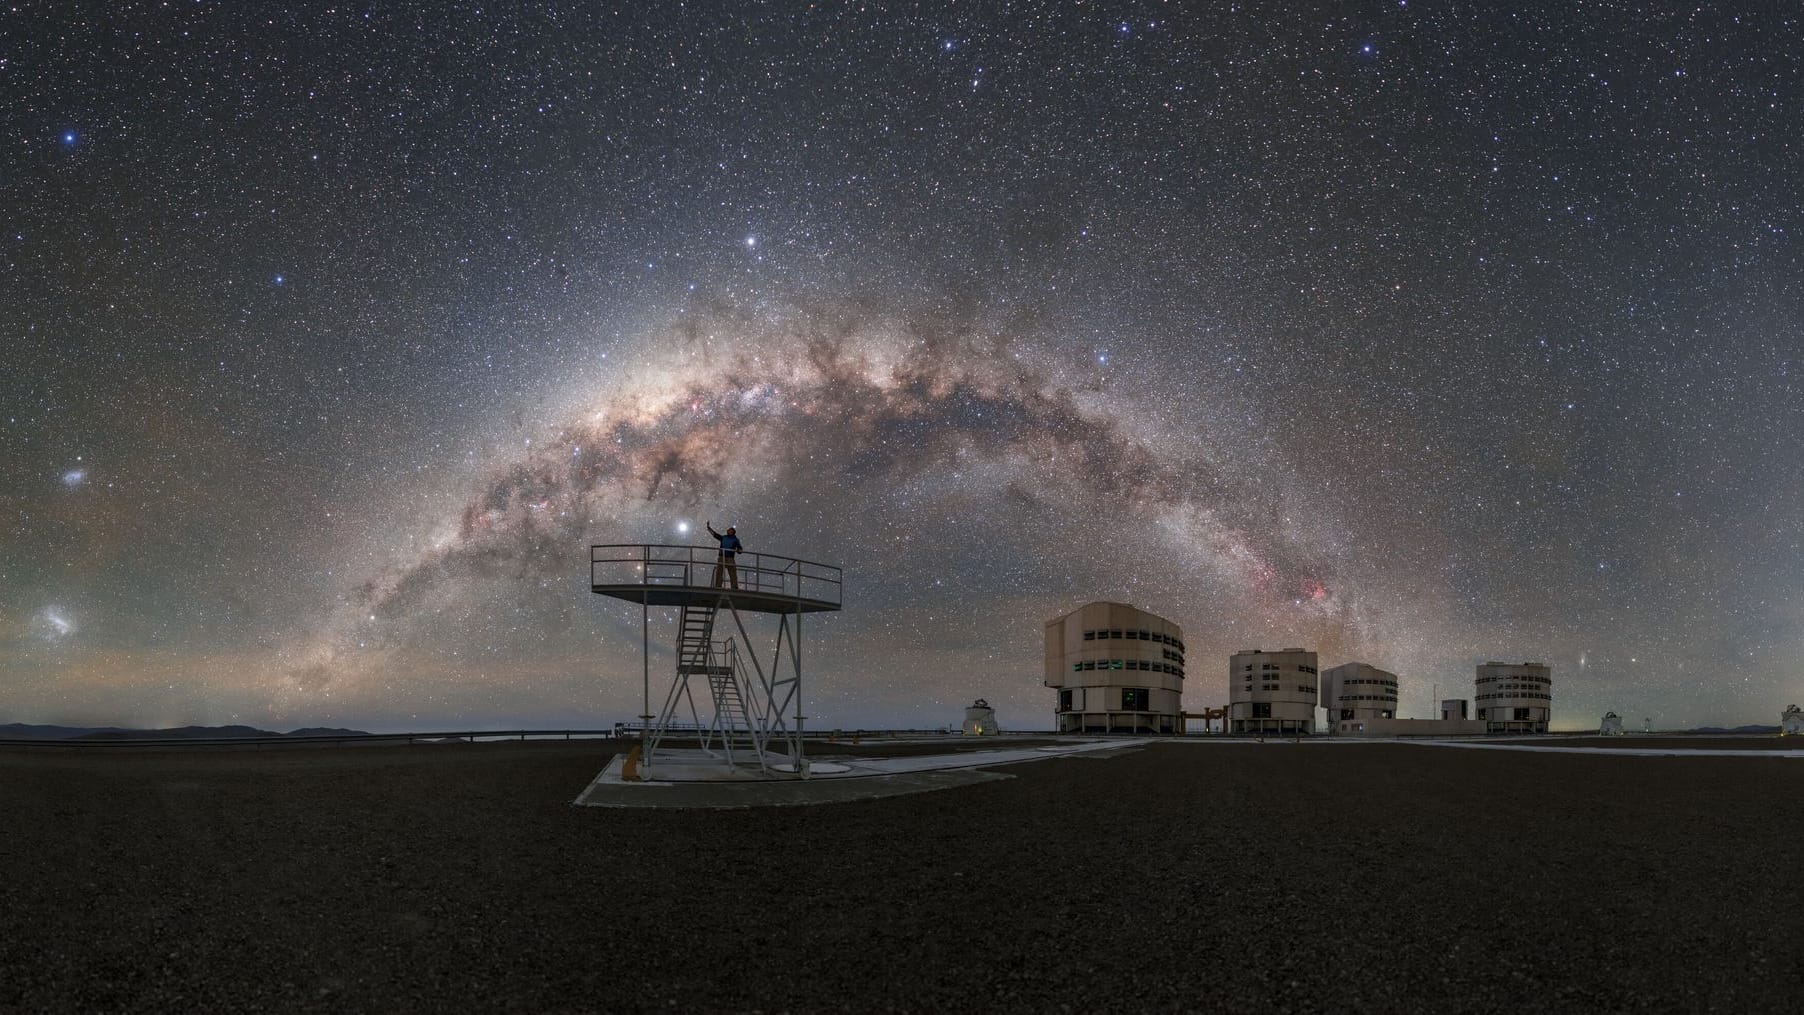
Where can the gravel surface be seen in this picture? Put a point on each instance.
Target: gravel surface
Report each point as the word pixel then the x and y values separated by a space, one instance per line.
pixel 1241 877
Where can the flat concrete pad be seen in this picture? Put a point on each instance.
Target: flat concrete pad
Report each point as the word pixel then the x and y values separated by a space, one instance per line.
pixel 772 793
pixel 694 778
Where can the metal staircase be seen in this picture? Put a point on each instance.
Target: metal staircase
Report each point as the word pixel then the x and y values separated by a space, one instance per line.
pixel 733 722
pixel 695 636
pixel 735 726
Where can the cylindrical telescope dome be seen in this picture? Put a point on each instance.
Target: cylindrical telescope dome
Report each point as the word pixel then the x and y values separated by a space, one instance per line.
pixel 1514 697
pixel 1272 692
pixel 1118 669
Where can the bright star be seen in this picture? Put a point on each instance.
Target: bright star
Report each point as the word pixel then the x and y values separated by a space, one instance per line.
pixel 683 528
pixel 68 137
pixel 279 280
pixel 751 241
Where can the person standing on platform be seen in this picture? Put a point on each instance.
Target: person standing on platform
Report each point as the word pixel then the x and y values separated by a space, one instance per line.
pixel 729 547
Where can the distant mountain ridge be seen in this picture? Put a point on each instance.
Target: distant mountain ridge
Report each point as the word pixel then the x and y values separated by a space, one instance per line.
pixel 27 731
pixel 1738 729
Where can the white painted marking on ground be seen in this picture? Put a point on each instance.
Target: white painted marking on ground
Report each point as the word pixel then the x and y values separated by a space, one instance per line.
pixel 1634 752
pixel 984 759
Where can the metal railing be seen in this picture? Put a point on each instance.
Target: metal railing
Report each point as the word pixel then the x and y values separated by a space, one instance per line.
pixel 655 564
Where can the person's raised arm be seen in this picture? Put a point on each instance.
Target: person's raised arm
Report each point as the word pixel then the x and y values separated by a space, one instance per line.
pixel 709 525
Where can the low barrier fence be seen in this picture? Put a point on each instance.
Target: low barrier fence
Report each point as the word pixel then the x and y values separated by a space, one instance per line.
pixel 285 740
pixel 619 731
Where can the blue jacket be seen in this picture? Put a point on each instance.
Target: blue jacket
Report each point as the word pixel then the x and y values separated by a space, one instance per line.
pixel 729 545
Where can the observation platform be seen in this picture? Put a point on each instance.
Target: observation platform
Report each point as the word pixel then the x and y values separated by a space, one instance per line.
pixel 667 575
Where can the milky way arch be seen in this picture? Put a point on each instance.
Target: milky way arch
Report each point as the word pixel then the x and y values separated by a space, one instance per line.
pixel 862 414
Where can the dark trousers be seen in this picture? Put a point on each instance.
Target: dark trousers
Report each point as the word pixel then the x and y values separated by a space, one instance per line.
pixel 732 569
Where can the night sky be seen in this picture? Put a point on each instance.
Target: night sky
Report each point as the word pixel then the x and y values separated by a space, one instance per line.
pixel 1418 334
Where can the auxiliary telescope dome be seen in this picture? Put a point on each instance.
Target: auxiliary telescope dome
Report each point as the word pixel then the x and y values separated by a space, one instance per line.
pixel 980 720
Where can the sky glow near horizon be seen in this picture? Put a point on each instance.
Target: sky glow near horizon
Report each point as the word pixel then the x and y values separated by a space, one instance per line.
pixel 1416 337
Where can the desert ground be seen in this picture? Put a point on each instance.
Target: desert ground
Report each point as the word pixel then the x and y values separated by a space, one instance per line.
pixel 1182 876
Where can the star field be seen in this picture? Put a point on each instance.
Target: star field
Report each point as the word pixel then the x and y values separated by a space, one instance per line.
pixel 1416 334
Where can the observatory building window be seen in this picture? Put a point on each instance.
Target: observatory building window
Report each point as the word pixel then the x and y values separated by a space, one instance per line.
pixel 1135 699
pixel 1065 700
pixel 1262 710
pixel 1089 635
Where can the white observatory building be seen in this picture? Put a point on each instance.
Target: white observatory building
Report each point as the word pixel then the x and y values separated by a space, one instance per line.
pixel 1272 692
pixel 1357 691
pixel 1117 669
pixel 1610 725
pixel 1514 697
pixel 1791 722
pixel 980 720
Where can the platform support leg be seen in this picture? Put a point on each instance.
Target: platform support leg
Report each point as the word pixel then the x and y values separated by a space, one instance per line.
pixel 796 658
pixel 645 660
